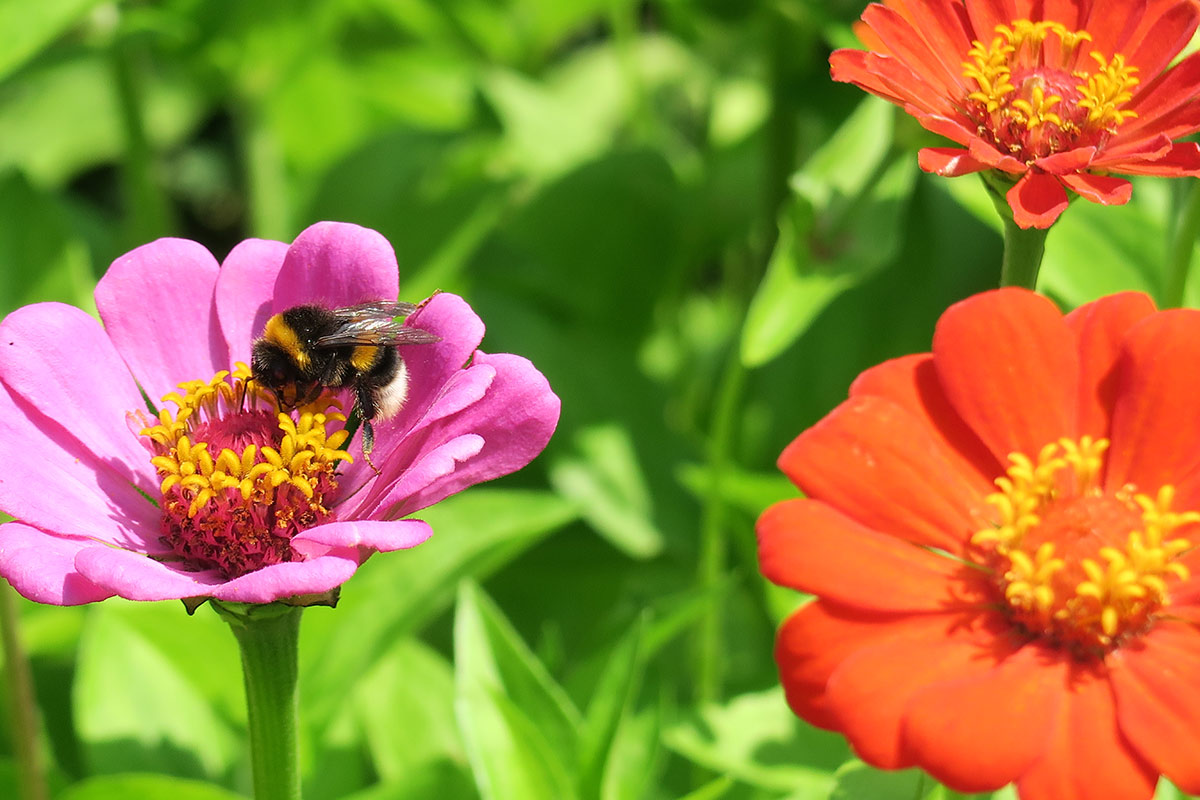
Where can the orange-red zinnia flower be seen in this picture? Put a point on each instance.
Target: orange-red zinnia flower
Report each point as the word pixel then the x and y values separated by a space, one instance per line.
pixel 1056 94
pixel 1000 538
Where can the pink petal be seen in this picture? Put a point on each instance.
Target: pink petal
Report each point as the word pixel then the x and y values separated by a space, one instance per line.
pixel 58 360
pixel 465 388
pixel 430 368
pixel 42 567
pixel 136 577
pixel 420 473
pixel 245 293
pixel 63 487
pixel 157 306
pixel 1037 200
pixel 337 264
pixel 368 535
pixel 278 581
pixel 516 420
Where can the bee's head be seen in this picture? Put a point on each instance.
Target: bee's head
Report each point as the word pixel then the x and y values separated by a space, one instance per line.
pixel 273 368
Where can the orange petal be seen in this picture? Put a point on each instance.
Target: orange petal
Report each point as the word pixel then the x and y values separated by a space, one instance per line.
pixel 887 469
pixel 980 732
pixel 1037 200
pixel 1010 367
pixel 813 642
pixel 1103 189
pixel 1156 683
pixel 869 692
pixel 1086 757
pixel 1099 329
pixel 949 162
pixel 807 545
pixel 1155 427
pixel 911 382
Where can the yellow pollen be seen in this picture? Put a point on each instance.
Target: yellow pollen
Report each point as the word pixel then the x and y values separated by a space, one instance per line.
pixel 305 452
pixel 1033 98
pixel 1080 567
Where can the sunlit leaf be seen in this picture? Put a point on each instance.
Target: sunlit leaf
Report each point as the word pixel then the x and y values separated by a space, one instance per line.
pixel 145 787
pixel 28 27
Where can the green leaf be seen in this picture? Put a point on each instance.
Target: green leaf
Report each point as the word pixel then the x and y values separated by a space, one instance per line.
pixel 144 787
pixel 843 225
pixel 442 780
pixel 608 484
pixel 711 790
pixel 630 771
pixel 756 739
pixel 410 689
pixel 748 491
pixel 394 594
pixel 608 709
pixel 137 709
pixel 856 780
pixel 520 729
pixel 29 27
pixel 40 256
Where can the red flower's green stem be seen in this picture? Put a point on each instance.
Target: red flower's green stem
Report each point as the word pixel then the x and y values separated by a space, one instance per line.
pixel 1179 248
pixel 268 637
pixel 30 779
pixel 1023 247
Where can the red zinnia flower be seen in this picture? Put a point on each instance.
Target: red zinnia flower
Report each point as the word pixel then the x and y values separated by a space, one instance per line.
pixel 1000 538
pixel 1055 94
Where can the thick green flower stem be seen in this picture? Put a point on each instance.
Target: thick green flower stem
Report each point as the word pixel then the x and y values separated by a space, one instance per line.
pixel 1023 247
pixel 268 637
pixel 31 781
pixel 1182 241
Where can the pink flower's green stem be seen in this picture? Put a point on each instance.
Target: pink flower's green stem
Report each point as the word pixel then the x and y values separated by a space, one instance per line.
pixel 268 637
pixel 1023 247
pixel 1180 246
pixel 30 779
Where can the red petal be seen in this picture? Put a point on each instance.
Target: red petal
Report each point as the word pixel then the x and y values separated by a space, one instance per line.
pixel 807 545
pixel 813 642
pixel 949 162
pixel 909 47
pixel 987 14
pixel 1100 327
pixel 1010 367
pixel 1182 160
pixel 1110 31
pixel 1163 96
pixel 943 24
pixel 1156 682
pixel 912 383
pixel 1067 161
pixel 886 469
pixel 1155 427
pixel 980 732
pixel 1037 200
pixel 1160 36
pixel 1086 757
pixel 986 152
pixel 1102 189
pixel 891 79
pixel 869 692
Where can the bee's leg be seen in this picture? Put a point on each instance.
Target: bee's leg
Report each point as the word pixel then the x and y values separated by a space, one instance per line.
pixel 366 409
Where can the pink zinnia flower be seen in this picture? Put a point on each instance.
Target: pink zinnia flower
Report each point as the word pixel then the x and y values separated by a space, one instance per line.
pixel 219 496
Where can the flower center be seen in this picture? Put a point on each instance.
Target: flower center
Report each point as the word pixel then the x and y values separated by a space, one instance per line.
pixel 239 478
pixel 1082 568
pixel 1036 97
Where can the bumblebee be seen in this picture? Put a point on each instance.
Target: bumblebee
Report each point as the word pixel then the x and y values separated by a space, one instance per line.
pixel 309 348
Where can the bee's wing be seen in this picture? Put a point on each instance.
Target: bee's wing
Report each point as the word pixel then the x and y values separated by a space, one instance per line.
pixel 374 324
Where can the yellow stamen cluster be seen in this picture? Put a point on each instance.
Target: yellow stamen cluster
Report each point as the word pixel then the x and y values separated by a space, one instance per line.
pixel 1026 79
pixel 1050 512
pixel 303 456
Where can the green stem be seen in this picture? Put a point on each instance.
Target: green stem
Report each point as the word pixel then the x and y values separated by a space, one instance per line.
pixel 266 177
pixel 30 779
pixel 268 637
pixel 713 526
pixel 1023 247
pixel 1180 246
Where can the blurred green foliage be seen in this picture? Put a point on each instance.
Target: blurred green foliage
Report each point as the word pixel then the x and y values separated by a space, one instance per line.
pixel 666 205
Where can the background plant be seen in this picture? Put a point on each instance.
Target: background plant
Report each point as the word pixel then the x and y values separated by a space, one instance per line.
pixel 670 208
